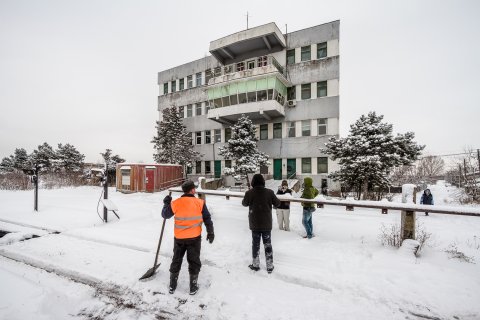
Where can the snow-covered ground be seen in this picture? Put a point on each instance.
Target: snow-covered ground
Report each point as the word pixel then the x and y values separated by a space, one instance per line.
pixel 90 270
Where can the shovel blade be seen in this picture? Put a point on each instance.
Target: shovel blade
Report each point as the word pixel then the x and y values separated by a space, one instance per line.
pixel 150 272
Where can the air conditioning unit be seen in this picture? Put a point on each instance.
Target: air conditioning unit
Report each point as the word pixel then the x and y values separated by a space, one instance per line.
pixel 291 103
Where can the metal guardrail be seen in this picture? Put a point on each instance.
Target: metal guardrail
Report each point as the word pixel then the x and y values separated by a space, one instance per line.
pixel 351 204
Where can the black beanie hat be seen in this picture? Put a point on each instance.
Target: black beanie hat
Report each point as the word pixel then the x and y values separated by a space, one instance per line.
pixel 258 181
pixel 187 186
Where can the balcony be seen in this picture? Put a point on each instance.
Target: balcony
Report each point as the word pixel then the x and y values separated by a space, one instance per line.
pixel 248 43
pixel 256 67
pixel 257 111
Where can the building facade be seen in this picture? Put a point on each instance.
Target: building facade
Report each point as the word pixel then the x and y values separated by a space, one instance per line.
pixel 287 84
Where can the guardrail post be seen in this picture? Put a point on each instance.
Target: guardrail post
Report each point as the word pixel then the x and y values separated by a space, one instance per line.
pixel 408 217
pixel 201 182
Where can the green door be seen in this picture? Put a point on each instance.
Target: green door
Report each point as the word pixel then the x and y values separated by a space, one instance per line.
pixel 218 168
pixel 291 168
pixel 277 169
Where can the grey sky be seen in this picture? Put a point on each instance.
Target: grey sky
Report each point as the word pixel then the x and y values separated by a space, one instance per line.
pixel 84 72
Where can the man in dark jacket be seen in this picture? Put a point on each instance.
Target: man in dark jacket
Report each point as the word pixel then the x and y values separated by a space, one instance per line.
pixel 189 213
pixel 427 198
pixel 283 211
pixel 259 201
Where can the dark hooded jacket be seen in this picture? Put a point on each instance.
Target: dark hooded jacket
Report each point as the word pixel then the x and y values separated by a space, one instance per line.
pixel 259 201
pixel 426 199
pixel 309 192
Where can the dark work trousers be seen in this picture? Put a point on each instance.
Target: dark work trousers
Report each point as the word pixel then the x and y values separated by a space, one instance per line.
pixel 192 246
pixel 267 243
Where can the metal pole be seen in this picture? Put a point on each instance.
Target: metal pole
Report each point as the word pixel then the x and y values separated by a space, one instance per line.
pixel 35 181
pixel 478 160
pixel 105 193
pixel 459 175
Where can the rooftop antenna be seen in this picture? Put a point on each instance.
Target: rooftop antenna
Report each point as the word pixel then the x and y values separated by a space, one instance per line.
pixel 247 20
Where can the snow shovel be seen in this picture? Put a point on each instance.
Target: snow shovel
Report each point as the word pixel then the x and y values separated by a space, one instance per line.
pixel 152 270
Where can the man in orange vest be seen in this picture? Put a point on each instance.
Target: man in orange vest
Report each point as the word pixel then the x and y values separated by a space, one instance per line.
pixel 189 213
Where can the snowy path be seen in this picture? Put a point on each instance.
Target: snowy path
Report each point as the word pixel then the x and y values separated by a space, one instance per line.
pixel 342 273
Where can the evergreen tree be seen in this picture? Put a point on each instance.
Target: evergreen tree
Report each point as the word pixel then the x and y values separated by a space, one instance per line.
pixel 7 164
pixel 43 158
pixel 68 158
pixel 111 161
pixel 173 143
pixel 242 148
pixel 21 160
pixel 369 153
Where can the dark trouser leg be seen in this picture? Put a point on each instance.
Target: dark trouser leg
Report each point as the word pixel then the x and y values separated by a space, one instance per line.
pixel 256 248
pixel 193 255
pixel 267 243
pixel 178 253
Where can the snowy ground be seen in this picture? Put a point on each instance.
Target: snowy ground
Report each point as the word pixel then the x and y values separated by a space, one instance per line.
pixel 90 270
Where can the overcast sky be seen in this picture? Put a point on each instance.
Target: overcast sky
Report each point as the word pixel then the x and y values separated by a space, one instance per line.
pixel 84 72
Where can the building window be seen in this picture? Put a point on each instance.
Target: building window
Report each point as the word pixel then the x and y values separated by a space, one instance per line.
pixel 189 111
pixel 228 163
pixel 321 89
pixel 181 85
pixel 198 167
pixel 291 93
pixel 251 64
pixel 306 165
pixel 305 53
pixel 181 112
pixel 174 85
pixel 228 134
pixel 321 50
pixel 217 135
pixel 208 167
pixel 262 61
pixel 198 79
pixel 198 109
pixel 208 136
pixel 240 66
pixel 125 178
pixel 189 169
pixel 189 82
pixel 306 128
pixel 165 88
pixel 277 130
pixel 217 71
pixel 291 129
pixel 198 137
pixel 306 91
pixel 263 131
pixel 208 75
pixel 322 126
pixel 207 107
pixel 227 69
pixel 290 56
pixel 322 165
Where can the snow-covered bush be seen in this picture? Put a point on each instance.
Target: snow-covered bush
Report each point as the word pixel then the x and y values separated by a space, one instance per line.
pixel 391 235
pixel 454 253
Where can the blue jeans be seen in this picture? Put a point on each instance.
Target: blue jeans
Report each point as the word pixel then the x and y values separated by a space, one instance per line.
pixel 307 221
pixel 267 243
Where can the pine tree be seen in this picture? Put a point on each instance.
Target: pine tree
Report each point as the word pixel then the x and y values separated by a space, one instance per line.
pixel 111 161
pixel 369 153
pixel 43 158
pixel 242 148
pixel 7 164
pixel 173 143
pixel 68 158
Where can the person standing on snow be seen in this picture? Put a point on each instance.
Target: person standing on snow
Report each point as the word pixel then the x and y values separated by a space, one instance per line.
pixel 427 198
pixel 283 211
pixel 309 192
pixel 189 212
pixel 259 201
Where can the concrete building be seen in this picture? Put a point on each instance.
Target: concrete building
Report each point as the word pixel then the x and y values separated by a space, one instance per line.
pixel 288 84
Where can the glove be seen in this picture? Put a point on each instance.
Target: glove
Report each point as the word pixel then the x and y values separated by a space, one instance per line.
pixel 167 200
pixel 210 237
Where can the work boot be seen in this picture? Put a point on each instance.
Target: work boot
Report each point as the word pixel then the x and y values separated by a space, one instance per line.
pixel 173 282
pixel 193 284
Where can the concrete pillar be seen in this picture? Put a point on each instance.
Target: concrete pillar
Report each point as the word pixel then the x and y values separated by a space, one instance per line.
pixel 408 217
pixel 201 186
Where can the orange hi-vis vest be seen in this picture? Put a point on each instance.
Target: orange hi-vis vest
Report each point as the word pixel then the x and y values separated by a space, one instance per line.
pixel 188 217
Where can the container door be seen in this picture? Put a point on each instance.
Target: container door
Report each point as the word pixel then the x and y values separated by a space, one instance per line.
pixel 218 169
pixel 291 168
pixel 277 169
pixel 150 180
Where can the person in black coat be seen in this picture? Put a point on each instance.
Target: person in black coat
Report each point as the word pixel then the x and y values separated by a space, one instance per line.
pixel 427 198
pixel 283 211
pixel 259 201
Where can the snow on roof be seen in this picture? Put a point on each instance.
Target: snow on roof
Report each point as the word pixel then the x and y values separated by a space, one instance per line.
pixel 148 164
